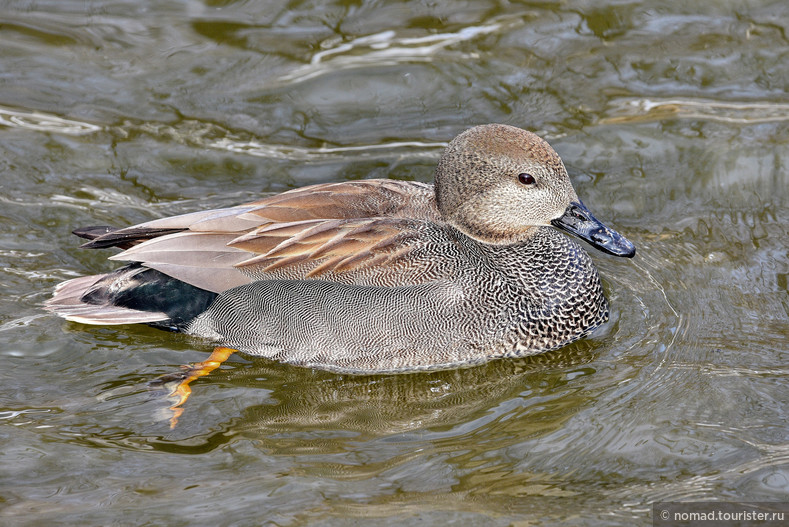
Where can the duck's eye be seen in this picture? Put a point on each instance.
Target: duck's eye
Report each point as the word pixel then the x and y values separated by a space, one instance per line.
pixel 526 179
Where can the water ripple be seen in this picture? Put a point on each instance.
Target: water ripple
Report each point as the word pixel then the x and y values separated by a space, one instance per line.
pixel 385 49
pixel 42 122
pixel 258 149
pixel 631 110
pixel 208 135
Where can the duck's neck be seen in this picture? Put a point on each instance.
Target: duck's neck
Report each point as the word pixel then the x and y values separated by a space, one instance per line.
pixel 484 234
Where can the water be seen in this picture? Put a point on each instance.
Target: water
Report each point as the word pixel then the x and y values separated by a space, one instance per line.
pixel 672 121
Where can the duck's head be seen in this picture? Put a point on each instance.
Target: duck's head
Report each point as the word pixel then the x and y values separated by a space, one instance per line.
pixel 497 184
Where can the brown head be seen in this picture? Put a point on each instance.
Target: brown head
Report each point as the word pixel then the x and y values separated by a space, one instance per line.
pixel 497 183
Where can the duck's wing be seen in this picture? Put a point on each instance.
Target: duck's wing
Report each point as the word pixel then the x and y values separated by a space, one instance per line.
pixel 354 199
pixel 345 231
pixel 358 250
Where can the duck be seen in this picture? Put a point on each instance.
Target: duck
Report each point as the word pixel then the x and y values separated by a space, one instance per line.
pixel 371 276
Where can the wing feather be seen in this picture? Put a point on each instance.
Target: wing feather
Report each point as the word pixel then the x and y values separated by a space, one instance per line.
pixel 332 245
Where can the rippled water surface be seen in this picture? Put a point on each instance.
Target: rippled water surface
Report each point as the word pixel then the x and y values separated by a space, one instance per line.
pixel 672 119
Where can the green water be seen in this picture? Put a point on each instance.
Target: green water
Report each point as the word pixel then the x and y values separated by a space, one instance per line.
pixel 672 120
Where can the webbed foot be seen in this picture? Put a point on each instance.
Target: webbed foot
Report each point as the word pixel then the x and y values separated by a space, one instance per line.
pixel 182 391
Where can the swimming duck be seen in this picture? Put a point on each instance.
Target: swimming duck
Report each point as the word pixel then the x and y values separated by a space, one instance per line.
pixel 372 276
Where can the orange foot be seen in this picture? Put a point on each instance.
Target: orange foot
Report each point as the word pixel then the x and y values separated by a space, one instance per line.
pixel 182 391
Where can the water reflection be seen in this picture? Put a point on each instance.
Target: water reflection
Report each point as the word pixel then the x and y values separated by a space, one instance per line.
pixel 302 409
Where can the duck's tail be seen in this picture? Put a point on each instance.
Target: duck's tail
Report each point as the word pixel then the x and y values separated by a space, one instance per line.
pixel 132 294
pixel 68 303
